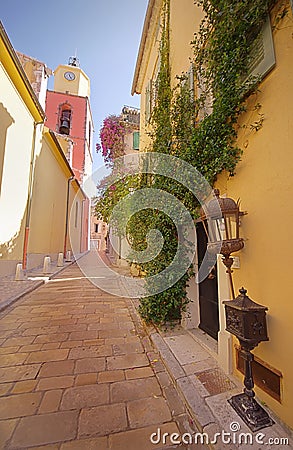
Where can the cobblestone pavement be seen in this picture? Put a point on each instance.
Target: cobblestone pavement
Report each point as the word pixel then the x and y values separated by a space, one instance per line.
pixel 77 371
pixel 11 290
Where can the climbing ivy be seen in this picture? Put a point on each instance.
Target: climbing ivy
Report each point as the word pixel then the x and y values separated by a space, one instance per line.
pixel 201 130
pixel 169 304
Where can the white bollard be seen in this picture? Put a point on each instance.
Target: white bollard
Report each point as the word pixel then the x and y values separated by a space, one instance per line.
pixel 47 264
pixel 19 274
pixel 60 260
pixel 68 256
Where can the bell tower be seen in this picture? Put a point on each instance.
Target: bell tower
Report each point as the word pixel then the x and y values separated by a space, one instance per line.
pixel 69 115
pixel 71 79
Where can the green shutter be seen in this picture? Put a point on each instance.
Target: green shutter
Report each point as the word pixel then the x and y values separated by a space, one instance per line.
pixel 136 140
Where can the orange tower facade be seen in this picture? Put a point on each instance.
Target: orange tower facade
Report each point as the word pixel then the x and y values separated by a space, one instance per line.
pixel 68 113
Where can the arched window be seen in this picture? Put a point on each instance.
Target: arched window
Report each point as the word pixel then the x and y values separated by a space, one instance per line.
pixel 65 119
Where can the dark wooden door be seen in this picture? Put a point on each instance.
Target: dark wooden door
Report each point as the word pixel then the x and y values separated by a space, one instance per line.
pixel 208 291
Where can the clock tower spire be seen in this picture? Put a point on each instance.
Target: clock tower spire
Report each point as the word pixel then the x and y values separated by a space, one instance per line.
pixel 69 115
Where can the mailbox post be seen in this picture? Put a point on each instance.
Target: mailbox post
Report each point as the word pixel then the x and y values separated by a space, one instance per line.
pixel 246 320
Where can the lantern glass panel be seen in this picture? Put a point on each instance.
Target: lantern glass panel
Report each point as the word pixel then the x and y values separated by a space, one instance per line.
pixel 231 229
pixel 214 228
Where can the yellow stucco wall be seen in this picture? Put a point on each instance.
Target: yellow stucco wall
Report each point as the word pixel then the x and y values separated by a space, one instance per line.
pixel 76 212
pixel 17 125
pixel 181 35
pixel 20 112
pixel 48 214
pixel 49 203
pixel 263 182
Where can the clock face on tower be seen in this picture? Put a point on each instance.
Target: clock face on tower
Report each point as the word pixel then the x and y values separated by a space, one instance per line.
pixel 70 76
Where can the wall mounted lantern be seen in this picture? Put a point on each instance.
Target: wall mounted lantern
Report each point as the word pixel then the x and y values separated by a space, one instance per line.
pixel 221 220
pixel 246 320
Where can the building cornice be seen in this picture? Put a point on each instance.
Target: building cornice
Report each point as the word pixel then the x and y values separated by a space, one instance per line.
pixel 17 74
pixel 68 94
pixel 147 37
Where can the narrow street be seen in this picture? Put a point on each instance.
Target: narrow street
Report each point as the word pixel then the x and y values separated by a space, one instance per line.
pixel 78 372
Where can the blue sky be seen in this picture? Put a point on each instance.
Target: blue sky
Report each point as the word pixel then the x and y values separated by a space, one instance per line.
pixel 106 35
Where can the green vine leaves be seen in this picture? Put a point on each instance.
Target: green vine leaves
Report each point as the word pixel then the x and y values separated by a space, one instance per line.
pixel 197 122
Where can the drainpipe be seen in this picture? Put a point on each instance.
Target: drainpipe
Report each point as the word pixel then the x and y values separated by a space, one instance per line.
pixel 66 216
pixel 81 226
pixel 29 197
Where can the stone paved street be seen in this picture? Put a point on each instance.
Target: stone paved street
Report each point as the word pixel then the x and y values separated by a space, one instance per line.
pixel 77 371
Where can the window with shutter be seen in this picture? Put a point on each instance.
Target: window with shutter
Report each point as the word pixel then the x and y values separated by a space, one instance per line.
pixel 154 90
pixel 188 82
pixel 191 81
pixel 204 95
pixel 262 57
pixel 148 101
pixel 135 140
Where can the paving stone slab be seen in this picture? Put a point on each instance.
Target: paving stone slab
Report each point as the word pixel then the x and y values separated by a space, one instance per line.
pixel 6 350
pixel 57 368
pixel 19 405
pixel 86 444
pixel 123 391
pixel 45 429
pixel 186 349
pixel 6 429
pixel 102 420
pixel 84 396
pixel 87 365
pixel 24 372
pixel 140 438
pixel 90 351
pixel 47 355
pixel 84 379
pixel 13 359
pixel 127 361
pixel 167 356
pixel 61 382
pixel 111 376
pixel 46 338
pixel 148 411
pixel 24 386
pixel 197 404
pixel 5 388
pixel 139 372
pixel 175 403
pixel 50 402
pixel 17 340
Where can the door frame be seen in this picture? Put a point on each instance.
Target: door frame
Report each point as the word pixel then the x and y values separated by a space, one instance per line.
pixel 191 317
